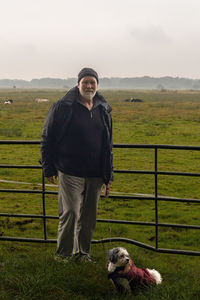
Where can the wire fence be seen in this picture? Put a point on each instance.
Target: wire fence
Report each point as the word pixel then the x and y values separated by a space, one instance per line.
pixel 155 197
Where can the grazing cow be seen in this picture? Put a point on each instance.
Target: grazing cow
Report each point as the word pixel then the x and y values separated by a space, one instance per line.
pixel 9 101
pixel 128 100
pixel 138 100
pixel 133 100
pixel 40 100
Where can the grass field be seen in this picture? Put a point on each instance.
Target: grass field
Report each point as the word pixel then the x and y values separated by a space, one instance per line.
pixel 171 117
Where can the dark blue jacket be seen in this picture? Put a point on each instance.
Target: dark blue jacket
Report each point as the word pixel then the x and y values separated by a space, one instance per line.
pixel 56 124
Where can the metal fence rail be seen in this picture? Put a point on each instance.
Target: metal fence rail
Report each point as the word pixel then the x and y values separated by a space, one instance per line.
pixel 154 198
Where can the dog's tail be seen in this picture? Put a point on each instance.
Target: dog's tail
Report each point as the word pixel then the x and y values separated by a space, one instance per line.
pixel 156 275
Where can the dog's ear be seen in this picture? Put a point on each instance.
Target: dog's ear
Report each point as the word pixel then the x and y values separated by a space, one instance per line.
pixel 113 254
pixel 110 255
pixel 111 267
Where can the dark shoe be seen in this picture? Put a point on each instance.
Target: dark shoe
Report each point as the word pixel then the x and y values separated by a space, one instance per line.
pixel 87 259
pixel 64 260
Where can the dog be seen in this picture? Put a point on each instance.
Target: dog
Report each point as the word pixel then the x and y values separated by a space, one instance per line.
pixel 125 275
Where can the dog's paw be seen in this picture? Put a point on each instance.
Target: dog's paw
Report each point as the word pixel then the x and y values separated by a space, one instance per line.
pixel 122 285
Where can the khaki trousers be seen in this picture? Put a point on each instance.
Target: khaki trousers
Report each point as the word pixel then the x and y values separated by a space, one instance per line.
pixel 77 206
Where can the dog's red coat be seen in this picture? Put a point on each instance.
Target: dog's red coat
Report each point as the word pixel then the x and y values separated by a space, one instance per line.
pixel 139 276
pixel 135 276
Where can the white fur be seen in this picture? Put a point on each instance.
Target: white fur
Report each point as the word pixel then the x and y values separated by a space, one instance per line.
pixel 121 258
pixel 111 267
pixel 156 275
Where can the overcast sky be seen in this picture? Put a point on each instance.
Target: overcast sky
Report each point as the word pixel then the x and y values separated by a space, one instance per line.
pixel 118 38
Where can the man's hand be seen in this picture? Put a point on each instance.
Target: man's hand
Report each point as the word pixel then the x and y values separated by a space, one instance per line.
pixel 51 179
pixel 107 189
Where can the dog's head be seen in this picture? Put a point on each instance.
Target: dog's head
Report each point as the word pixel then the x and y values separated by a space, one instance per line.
pixel 117 257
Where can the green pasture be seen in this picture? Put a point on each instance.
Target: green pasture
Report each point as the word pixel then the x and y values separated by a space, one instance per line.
pixel 170 117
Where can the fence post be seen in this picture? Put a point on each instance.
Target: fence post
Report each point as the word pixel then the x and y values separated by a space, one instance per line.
pixel 156 197
pixel 44 206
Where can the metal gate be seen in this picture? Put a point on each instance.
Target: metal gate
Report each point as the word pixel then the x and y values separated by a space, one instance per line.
pixel 156 198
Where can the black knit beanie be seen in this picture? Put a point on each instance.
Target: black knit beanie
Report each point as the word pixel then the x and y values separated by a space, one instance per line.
pixel 87 72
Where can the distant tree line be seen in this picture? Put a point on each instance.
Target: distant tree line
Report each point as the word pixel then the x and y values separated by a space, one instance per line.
pixel 145 82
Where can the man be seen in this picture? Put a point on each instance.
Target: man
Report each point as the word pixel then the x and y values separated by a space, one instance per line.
pixel 76 146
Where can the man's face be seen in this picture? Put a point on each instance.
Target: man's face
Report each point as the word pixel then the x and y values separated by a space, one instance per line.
pixel 88 87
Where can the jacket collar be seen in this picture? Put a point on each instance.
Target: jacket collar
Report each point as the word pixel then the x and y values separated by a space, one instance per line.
pixel 73 94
